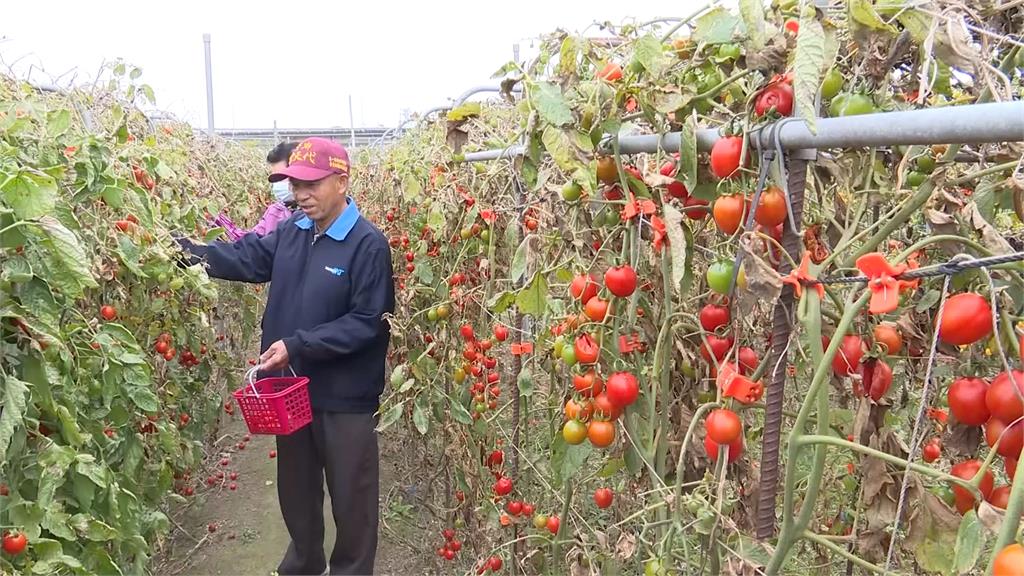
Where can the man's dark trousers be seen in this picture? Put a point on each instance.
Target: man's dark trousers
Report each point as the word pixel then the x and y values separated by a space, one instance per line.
pixel 344 446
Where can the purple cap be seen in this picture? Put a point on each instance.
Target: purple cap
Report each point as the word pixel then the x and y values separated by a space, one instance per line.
pixel 313 159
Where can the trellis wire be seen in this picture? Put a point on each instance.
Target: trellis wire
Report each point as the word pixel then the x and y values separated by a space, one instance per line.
pixel 954 266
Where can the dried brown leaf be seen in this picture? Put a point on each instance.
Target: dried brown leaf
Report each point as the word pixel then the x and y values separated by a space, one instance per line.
pixel 876 477
pixel 626 546
pixel 990 237
pixel 764 284
pixel 930 517
pixel 991 517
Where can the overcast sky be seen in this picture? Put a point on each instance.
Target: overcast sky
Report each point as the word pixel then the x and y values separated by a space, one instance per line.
pixel 297 62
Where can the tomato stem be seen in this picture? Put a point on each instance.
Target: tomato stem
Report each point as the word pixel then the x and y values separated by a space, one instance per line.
pixel 864 564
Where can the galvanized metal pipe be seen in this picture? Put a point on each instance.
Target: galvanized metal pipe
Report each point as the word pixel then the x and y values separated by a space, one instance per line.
pixel 968 124
pixel 209 86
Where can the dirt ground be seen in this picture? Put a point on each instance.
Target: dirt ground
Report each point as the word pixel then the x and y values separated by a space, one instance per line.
pixel 250 536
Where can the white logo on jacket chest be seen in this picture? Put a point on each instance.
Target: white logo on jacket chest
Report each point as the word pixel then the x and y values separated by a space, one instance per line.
pixel 335 271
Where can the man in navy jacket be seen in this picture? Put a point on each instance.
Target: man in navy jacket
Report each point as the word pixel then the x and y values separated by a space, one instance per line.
pixel 331 285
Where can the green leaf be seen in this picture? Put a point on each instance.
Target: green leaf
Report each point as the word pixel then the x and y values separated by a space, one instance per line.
pixel 581 140
pixel 863 12
pixel 669 100
pixel 532 300
pixel 144 398
pixel 436 219
pixel 969 543
pixel 559 145
pixel 501 301
pixel 391 416
pixel 30 194
pixel 548 100
pixel 214 233
pixel 130 255
pixel 36 296
pixel 752 12
pixel 420 415
pixel 718 26
pixel 57 122
pixel 113 196
pixel 15 394
pixel 147 91
pixel 15 269
pixel 611 467
pixel 567 56
pixel 459 412
pixel 688 152
pixel 69 426
pixel 67 264
pixel 467 110
pixel 649 52
pixel 808 66
pixel 84 491
pixel 524 381
pixel 98 561
pixel 411 187
pixel 518 268
pixel 566 458
pixel 56 522
pixel 930 298
pixel 92 528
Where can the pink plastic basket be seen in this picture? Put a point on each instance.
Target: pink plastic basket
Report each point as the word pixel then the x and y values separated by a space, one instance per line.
pixel 274 405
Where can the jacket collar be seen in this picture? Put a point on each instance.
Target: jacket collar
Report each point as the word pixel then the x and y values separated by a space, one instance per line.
pixel 342 225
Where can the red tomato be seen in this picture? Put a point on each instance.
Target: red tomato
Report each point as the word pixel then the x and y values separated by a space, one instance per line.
pixel 620 280
pixel 503 486
pixel 888 336
pixel 728 213
pixel 725 156
pixel 583 288
pixel 588 385
pixel 777 96
pixel 771 208
pixel 876 377
pixel 603 497
pixel 734 452
pixel 15 543
pixel 1009 561
pixel 931 452
pixel 792 26
pixel 108 312
pixel 1004 396
pixel 966 319
pixel 596 309
pixel 712 317
pixel 514 507
pixel 553 524
pixel 622 389
pixel 675 189
pixel 611 72
pixel 500 333
pixel 748 360
pixel 467 332
pixel 606 408
pixel 1012 437
pixel 846 362
pixel 966 397
pixel 723 426
pixel 494 563
pixel 1010 464
pixel 717 347
pixel 693 210
pixel 966 470
pixel 601 433
pixel 587 350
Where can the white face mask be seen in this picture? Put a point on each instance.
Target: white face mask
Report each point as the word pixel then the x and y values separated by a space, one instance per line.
pixel 282 190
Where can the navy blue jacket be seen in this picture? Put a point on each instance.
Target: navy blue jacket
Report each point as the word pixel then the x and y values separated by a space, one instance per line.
pixel 328 295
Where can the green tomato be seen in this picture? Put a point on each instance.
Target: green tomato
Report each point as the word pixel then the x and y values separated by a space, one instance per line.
pixel 612 218
pixel 540 521
pixel 569 355
pixel 176 284
pixel 653 567
pixel 688 370
pixel 847 104
pixel 710 80
pixel 719 275
pixel 915 179
pixel 559 346
pixel 926 163
pixel 432 315
pixel 485 235
pixel 729 51
pixel 571 192
pixel 832 84
pixel 480 407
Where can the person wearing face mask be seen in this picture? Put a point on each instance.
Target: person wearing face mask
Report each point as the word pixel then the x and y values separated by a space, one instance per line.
pixel 279 211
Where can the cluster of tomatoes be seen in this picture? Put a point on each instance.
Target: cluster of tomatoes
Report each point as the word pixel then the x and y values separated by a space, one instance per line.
pixel 595 405
pixel 450 547
pixel 481 365
pixel 164 346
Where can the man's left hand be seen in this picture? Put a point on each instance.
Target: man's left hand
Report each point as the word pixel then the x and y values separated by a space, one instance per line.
pixel 275 358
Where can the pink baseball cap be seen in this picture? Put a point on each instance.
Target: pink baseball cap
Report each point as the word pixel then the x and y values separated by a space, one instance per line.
pixel 313 159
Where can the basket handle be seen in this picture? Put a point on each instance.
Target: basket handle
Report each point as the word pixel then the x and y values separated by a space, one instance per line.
pixel 250 377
